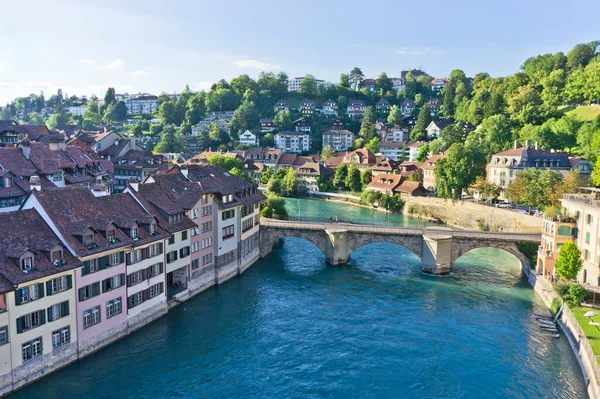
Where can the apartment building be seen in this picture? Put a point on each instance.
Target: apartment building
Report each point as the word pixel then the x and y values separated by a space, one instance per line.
pixel 339 140
pixel 38 329
pixel 555 233
pixel 292 141
pixel 329 108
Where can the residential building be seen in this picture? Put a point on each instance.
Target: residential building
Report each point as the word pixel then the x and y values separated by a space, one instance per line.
pixel 291 141
pixel 394 150
pixel 356 108
pixel 362 158
pixel 307 107
pixel 434 105
pixel 38 321
pixel 385 183
pixel 330 108
pixel 78 110
pixel 303 124
pixel 248 138
pixel 11 133
pixel 505 165
pixel 294 84
pixel 435 128
pixel 309 172
pixel 388 167
pixel 338 124
pixel 438 84
pixel 134 166
pixel 407 107
pixel 281 105
pixel 584 208
pixel 142 104
pixel 266 125
pixel 428 172
pixel 368 83
pixel 397 134
pixel 413 150
pixel 340 140
pixel 398 84
pixel 269 157
pixel 555 233
pixel 383 107
pixel 120 286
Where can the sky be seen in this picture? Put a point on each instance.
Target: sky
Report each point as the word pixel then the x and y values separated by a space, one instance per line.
pixel 84 47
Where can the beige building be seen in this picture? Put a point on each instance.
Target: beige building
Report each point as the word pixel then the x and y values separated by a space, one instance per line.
pixel 585 209
pixel 555 233
pixel 428 171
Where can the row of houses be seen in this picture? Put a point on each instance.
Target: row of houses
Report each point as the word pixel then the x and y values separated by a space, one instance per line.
pixel 78 272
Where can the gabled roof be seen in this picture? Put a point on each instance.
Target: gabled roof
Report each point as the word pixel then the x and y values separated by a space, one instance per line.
pixel 441 123
pixel 314 169
pixel 385 181
pixel 382 103
pixel 365 156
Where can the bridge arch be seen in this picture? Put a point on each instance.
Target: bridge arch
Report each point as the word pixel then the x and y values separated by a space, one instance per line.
pixel 413 244
pixel 269 238
pixel 461 247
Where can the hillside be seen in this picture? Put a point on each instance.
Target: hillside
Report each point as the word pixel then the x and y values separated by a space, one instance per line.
pixel 585 112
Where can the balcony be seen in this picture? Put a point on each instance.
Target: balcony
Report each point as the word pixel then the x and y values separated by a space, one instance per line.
pixel 591 198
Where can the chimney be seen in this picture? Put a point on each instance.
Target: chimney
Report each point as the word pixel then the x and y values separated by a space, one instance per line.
pixel 516 144
pixel 35 183
pixel 132 143
pixel 536 146
pixel 26 149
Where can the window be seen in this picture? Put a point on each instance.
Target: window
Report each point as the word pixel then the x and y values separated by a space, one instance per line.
pixel 195 246
pixel 134 233
pixel 61 337
pixel 183 252
pixel 32 349
pixel 587 237
pixel 58 310
pixel 206 226
pixel 171 256
pixel 57 257
pixel 228 232
pixel 155 290
pixel 586 254
pixel 89 291
pixel 207 210
pixel 206 259
pixel 136 299
pixel 154 270
pixel 195 213
pixel 115 258
pixel 136 278
pixel 29 293
pixel 204 200
pixel 88 239
pixel 3 335
pixel 113 307
pixel 194 231
pixel 57 176
pixel 90 266
pixel 184 235
pixel 177 218
pixel 589 218
pixel 172 240
pixel 228 214
pixel 27 263
pixel 31 320
pixel 207 242
pixel 59 284
pixel 111 236
pixel 135 256
pixel 195 264
pixel 152 228
pixel 564 231
pixel 114 282
pixel 154 249
pixel 8 182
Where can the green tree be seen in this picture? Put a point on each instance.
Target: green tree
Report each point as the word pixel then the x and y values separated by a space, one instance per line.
pixel 395 116
pixel 438 146
pixel 245 117
pixel 308 86
pixel 423 153
pixel 225 161
pixel 167 113
pixel 268 140
pixel 370 197
pixel 36 119
pixel 383 83
pixel 367 128
pixel 534 187
pixel 292 184
pixel 168 141
pixel 218 135
pixel 581 54
pixel 339 178
pixel 109 97
pixel 424 119
pixel 327 153
pixel 569 261
pixel 283 120
pixel 344 81
pixel 275 186
pixel 120 111
pixel 373 145
pixel 266 176
pixel 365 177
pixel 353 179
pixel 459 170
pixel 273 206
pixel 196 108
pixel 356 78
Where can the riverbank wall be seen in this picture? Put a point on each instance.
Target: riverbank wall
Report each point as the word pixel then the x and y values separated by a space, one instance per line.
pixel 572 330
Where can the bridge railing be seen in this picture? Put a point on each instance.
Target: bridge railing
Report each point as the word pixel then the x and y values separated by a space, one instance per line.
pixel 347 220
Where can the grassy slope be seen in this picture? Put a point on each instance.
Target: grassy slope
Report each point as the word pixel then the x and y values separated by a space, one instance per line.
pixel 591 332
pixel 585 112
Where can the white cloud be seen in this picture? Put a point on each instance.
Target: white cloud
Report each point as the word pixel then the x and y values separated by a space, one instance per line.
pixel 139 72
pixel 421 51
pixel 255 64
pixel 116 64
pixel 204 85
pixel 89 62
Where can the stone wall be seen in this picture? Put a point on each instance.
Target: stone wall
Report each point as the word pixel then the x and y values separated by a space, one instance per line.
pixel 103 339
pixel 42 365
pixel 464 215
pixel 6 385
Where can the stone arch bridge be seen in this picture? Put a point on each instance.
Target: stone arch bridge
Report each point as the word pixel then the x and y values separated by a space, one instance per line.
pixel 437 247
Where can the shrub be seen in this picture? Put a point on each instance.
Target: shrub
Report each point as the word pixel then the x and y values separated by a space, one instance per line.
pixel 577 294
pixel 481 224
pixel 529 249
pixel 562 289
pixel 555 305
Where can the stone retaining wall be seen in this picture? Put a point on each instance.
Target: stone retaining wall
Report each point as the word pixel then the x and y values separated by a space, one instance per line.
pixel 464 214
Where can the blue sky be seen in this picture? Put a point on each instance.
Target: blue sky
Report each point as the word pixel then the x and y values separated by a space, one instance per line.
pixel 154 46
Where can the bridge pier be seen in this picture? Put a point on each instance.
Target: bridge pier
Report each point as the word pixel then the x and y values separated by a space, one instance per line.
pixel 337 248
pixel 437 254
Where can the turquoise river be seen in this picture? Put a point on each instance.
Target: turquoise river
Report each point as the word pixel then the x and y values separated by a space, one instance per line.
pixel 293 327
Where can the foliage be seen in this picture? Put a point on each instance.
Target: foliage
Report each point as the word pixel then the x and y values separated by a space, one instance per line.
pixel 530 250
pixel 459 170
pixel 283 120
pixel 577 294
pixel 367 128
pixel 370 197
pixel 395 116
pixel 424 119
pixel 393 203
pixel 245 117
pixel 535 187
pixel 308 86
pixel 481 226
pixel 353 182
pixel 225 161
pixel 373 145
pixel 569 261
pixel 266 176
pixel 339 178
pixel 486 189
pixel 273 205
pixel 327 152
pixel 365 177
pixel 423 153
pixel 356 78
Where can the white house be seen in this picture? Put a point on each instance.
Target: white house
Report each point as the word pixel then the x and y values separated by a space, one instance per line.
pixel 145 104
pixel 340 140
pixel 248 138
pixel 290 141
pixel 394 150
pixel 294 83
pixel 78 110
pixel 435 128
pixel 330 107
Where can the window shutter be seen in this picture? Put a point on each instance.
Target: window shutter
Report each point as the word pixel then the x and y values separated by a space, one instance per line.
pixel 50 316
pixel 96 289
pixel 162 287
pixel 123 279
pixel 146 294
pixel 181 252
pixel 86 268
pixel 42 317
pixel 64 311
pixel 49 287
pixel 143 272
pixel 41 289
pixel 129 253
pixel 69 282
pixel 174 255
pixel 18 296
pixel 130 302
pixel 81 294
pixel 160 248
pixel 102 262
pixel 121 257
pixel 104 285
pixel 20 325
pixel 161 267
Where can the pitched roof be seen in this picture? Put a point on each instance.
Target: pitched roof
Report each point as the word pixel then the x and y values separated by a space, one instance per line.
pixel 338 132
pixel 314 169
pixel 442 123
pixel 385 181
pixel 365 156
pixel 22 231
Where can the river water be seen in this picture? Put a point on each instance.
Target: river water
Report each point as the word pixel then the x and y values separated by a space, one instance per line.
pixel 292 326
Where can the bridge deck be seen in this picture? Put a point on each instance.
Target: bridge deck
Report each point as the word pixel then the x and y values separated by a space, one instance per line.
pixel 407 231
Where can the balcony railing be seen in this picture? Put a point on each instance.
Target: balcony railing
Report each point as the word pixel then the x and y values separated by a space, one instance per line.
pixel 587 199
